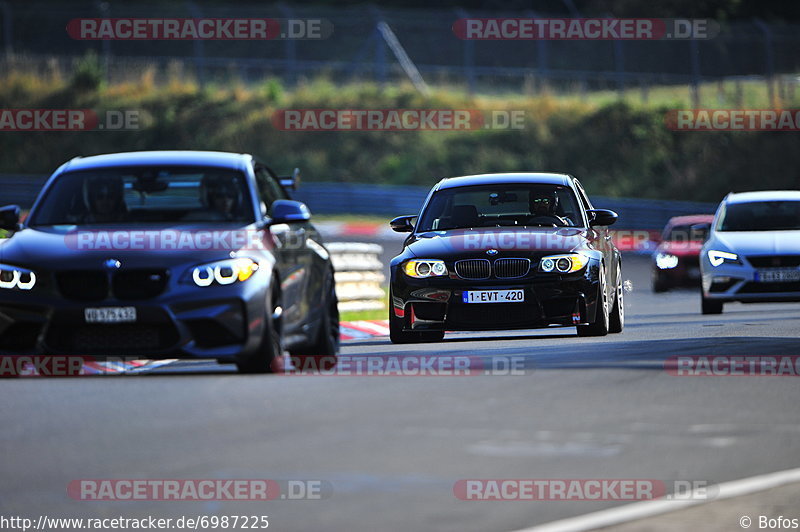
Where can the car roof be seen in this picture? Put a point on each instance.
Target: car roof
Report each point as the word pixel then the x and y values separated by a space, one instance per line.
pixel 161 157
pixel 509 178
pixel 763 195
pixel 690 219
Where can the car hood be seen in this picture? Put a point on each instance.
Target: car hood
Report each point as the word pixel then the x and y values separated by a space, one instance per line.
pixel 758 242
pixel 59 247
pixel 507 241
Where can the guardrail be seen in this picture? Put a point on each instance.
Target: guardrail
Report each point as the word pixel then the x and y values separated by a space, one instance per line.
pixel 359 275
pixel 395 200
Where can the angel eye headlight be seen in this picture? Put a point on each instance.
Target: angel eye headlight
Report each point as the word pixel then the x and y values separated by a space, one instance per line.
pixel 422 268
pixel 567 263
pixel 224 272
pixel 14 277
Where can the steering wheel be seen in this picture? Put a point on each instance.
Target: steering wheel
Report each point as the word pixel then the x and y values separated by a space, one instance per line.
pixel 546 219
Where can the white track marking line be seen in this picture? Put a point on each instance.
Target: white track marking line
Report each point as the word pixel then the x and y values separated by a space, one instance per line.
pixel 643 509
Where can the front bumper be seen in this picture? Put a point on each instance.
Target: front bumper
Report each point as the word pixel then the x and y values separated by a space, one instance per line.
pixel 734 282
pixel 219 322
pixel 685 274
pixel 551 299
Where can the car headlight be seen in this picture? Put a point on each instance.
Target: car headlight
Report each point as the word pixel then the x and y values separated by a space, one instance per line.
pixel 421 268
pixel 569 263
pixel 12 277
pixel 666 261
pixel 224 272
pixel 718 257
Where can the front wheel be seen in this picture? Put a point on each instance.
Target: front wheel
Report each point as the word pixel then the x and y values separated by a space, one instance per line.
pixel 710 306
pixel 600 325
pixel 321 355
pixel 271 347
pixel 617 317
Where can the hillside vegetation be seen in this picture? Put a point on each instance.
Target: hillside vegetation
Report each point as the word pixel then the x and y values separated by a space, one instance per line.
pixel 618 148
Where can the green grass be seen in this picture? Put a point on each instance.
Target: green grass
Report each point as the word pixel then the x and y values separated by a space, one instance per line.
pixel 382 314
pixel 378 314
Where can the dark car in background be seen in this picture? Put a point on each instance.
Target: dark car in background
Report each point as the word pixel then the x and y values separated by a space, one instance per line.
pixel 166 254
pixel 505 251
pixel 676 259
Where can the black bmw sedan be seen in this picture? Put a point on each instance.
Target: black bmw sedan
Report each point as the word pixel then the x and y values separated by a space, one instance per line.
pixel 166 254
pixel 505 251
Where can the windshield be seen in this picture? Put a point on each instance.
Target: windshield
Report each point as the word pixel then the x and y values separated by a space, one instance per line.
pixel 760 216
pixel 501 205
pixel 683 233
pixel 145 195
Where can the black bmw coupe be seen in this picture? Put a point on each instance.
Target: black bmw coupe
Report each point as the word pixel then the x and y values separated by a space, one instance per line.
pixel 166 254
pixel 505 251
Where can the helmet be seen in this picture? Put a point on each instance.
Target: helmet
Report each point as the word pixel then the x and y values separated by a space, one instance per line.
pixel 214 186
pixel 543 196
pixel 98 188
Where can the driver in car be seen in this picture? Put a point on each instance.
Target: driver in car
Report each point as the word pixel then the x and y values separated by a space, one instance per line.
pixel 543 207
pixel 104 199
pixel 221 194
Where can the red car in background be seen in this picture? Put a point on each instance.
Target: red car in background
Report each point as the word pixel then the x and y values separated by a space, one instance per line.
pixel 676 260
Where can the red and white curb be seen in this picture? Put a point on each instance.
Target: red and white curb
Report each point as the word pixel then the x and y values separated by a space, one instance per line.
pixel 353 330
pixel 350 330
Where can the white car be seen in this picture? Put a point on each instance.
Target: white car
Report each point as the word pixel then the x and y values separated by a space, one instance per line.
pixel 752 253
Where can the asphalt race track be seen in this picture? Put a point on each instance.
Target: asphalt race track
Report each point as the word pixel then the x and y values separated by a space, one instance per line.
pixel 392 448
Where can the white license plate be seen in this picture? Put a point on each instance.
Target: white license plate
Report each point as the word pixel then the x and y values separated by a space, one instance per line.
pixel 494 296
pixel 110 315
pixel 777 276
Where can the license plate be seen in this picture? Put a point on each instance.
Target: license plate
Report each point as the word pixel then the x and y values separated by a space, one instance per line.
pixel 494 296
pixel 777 276
pixel 110 315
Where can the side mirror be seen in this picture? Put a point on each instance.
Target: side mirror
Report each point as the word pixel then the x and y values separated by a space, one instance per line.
pixel 403 224
pixel 289 211
pixel 9 217
pixel 291 182
pixel 601 217
pixel 700 231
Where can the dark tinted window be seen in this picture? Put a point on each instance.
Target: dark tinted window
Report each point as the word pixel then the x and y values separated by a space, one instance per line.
pixel 760 216
pixel 501 205
pixel 145 194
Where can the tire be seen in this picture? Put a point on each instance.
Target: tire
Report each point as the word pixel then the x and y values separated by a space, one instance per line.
pixel 271 347
pixel 322 354
pixel 616 320
pixel 710 306
pixel 398 336
pixel 601 320
pixel 659 286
